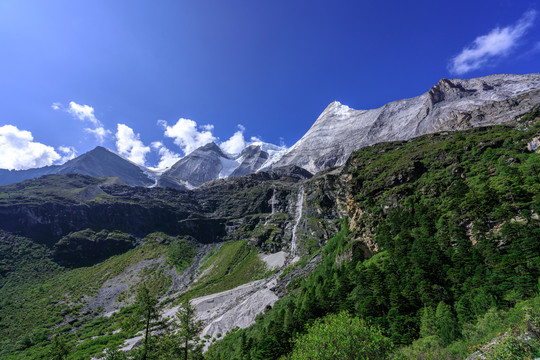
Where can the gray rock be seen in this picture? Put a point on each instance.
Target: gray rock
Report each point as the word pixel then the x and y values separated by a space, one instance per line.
pixel 251 159
pixel 200 166
pixel 449 105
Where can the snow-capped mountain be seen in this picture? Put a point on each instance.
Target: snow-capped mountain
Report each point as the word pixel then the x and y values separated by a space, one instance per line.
pixel 449 105
pixel 210 162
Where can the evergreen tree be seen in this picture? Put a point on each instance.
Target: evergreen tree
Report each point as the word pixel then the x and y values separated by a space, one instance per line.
pixel 147 310
pixel 463 310
pixel 446 323
pixel 189 328
pixel 428 322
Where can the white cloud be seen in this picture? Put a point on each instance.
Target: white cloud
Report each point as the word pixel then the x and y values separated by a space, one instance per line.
pixel 68 152
pixel 85 113
pixel 56 106
pixel 130 145
pixel 19 151
pixel 236 143
pixel 496 44
pixel 167 157
pixel 187 135
pixel 100 133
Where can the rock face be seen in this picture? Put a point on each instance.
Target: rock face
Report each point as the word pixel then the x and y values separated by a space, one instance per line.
pixel 449 105
pixel 251 159
pixel 202 165
pixel 87 247
pixel 53 206
pixel 99 162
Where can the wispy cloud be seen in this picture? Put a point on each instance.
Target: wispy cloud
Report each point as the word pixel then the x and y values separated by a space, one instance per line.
pixel 20 151
pixel 83 113
pixel 86 114
pixel 68 153
pixel 130 145
pixel 498 43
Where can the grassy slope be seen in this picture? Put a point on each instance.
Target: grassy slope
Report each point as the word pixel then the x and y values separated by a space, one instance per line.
pixel 40 295
pixel 233 264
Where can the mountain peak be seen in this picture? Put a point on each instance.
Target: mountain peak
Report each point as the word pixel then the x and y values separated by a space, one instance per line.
pixel 449 105
pixel 211 146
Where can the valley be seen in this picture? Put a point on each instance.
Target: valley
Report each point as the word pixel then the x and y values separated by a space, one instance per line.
pixel 429 238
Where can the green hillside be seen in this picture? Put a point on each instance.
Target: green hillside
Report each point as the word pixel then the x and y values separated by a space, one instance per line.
pixel 444 234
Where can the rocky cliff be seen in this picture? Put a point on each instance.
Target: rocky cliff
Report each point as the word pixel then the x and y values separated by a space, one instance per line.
pixel 449 105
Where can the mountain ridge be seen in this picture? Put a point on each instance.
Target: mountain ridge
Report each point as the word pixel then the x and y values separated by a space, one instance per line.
pixel 99 162
pixel 449 105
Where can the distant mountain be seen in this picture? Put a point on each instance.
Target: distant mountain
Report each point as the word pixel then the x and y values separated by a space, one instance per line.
pixel 99 162
pixel 251 159
pixel 209 162
pixel 449 105
pixel 202 165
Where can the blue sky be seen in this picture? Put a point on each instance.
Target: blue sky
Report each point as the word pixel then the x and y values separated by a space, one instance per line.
pixel 154 79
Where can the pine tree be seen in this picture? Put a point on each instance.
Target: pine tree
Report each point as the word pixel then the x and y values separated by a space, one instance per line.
pixel 147 310
pixel 428 322
pixel 446 323
pixel 190 327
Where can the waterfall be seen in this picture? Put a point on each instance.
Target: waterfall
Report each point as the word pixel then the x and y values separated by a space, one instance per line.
pixel 298 214
pixel 273 201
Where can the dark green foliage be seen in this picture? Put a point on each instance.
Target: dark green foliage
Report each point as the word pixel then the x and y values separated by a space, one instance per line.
pixel 512 347
pixel 463 231
pixel 428 322
pixel 446 324
pixel 181 253
pixel 59 349
pixel 188 329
